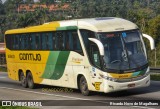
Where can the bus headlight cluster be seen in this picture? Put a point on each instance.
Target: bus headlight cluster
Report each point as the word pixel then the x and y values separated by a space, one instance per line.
pixel 108 78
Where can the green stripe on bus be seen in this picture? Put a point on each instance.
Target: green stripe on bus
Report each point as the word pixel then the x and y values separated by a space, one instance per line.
pixel 67 28
pixel 60 65
pixel 55 65
pixel 142 72
pixel 50 65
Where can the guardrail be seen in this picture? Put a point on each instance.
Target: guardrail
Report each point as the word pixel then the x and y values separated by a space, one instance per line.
pixel 154 70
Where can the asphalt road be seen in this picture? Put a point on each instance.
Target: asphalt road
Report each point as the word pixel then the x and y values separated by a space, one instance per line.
pixel 59 97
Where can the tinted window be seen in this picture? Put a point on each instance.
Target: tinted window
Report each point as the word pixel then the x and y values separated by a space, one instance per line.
pixel 59 40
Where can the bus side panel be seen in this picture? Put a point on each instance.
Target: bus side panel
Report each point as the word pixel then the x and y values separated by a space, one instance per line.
pixel 54 71
pixel 27 61
pixel 12 72
pixel 11 66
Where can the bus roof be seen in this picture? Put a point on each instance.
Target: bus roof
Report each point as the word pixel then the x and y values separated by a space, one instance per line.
pixel 103 24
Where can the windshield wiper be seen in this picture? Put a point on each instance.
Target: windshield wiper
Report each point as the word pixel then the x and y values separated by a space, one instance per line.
pixel 127 51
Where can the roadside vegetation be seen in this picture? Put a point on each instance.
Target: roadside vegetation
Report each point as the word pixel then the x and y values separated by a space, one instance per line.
pixel 155 77
pixel 145 13
pixel 3 69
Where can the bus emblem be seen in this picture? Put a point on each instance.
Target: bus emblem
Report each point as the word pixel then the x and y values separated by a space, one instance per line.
pixel 97 85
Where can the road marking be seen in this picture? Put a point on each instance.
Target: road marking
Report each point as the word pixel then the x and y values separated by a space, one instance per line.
pixel 76 98
pixel 45 93
pixel 3 77
pixel 143 107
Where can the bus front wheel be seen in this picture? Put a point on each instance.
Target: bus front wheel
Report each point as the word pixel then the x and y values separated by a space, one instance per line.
pixel 30 81
pixel 84 86
pixel 23 80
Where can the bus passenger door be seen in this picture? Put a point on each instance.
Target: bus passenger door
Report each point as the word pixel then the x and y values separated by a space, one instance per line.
pixel 95 67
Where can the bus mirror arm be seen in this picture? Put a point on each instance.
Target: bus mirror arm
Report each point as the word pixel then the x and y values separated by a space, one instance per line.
pixel 99 44
pixel 151 40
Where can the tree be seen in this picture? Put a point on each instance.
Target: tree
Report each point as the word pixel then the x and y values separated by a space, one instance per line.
pixel 2 10
pixel 29 1
pixel 25 20
pixel 154 29
pixel 11 6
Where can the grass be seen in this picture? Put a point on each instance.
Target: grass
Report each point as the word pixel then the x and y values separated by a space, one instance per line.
pixel 3 69
pixel 155 77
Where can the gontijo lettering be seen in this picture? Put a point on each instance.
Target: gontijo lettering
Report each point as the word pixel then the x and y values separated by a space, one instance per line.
pixel 30 56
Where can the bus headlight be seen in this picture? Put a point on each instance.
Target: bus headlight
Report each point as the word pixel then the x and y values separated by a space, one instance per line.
pixel 108 78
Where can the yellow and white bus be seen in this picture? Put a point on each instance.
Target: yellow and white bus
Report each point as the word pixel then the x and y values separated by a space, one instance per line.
pixel 95 54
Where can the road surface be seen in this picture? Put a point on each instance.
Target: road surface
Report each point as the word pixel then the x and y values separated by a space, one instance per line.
pixel 59 97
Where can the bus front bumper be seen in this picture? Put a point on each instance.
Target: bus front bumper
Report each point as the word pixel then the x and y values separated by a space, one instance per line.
pixel 111 86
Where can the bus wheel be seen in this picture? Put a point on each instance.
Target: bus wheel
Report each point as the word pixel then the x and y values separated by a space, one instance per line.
pixel 83 86
pixel 23 80
pixel 30 81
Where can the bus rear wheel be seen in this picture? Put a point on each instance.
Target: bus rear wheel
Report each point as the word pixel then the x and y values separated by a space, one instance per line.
pixel 84 86
pixel 30 81
pixel 23 80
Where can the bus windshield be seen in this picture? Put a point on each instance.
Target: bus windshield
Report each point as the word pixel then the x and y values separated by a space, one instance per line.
pixel 123 50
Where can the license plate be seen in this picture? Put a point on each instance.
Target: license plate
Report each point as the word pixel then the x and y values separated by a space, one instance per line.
pixel 131 85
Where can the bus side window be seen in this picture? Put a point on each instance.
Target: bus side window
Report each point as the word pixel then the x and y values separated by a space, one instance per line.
pixel 44 41
pixel 29 42
pixel 85 35
pixel 33 41
pixel 19 40
pixel 64 41
pixel 67 47
pixel 70 39
pixel 51 41
pixel 16 42
pixel 59 41
pixel 38 41
pixel 76 43
pixel 22 41
pixel 26 41
pixel 9 41
pixel 47 41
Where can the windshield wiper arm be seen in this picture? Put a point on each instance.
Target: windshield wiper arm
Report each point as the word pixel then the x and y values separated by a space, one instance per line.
pixel 125 51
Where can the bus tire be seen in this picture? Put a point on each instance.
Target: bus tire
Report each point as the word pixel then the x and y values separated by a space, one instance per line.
pixel 30 81
pixel 84 86
pixel 23 80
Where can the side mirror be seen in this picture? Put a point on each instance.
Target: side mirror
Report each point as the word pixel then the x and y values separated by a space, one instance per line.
pixel 151 40
pixel 99 44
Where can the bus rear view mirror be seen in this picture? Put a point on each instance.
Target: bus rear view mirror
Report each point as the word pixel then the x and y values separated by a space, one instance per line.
pixel 99 44
pixel 151 40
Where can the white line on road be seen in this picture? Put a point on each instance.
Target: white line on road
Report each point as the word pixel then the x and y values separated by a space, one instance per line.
pixel 76 98
pixel 143 107
pixel 3 77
